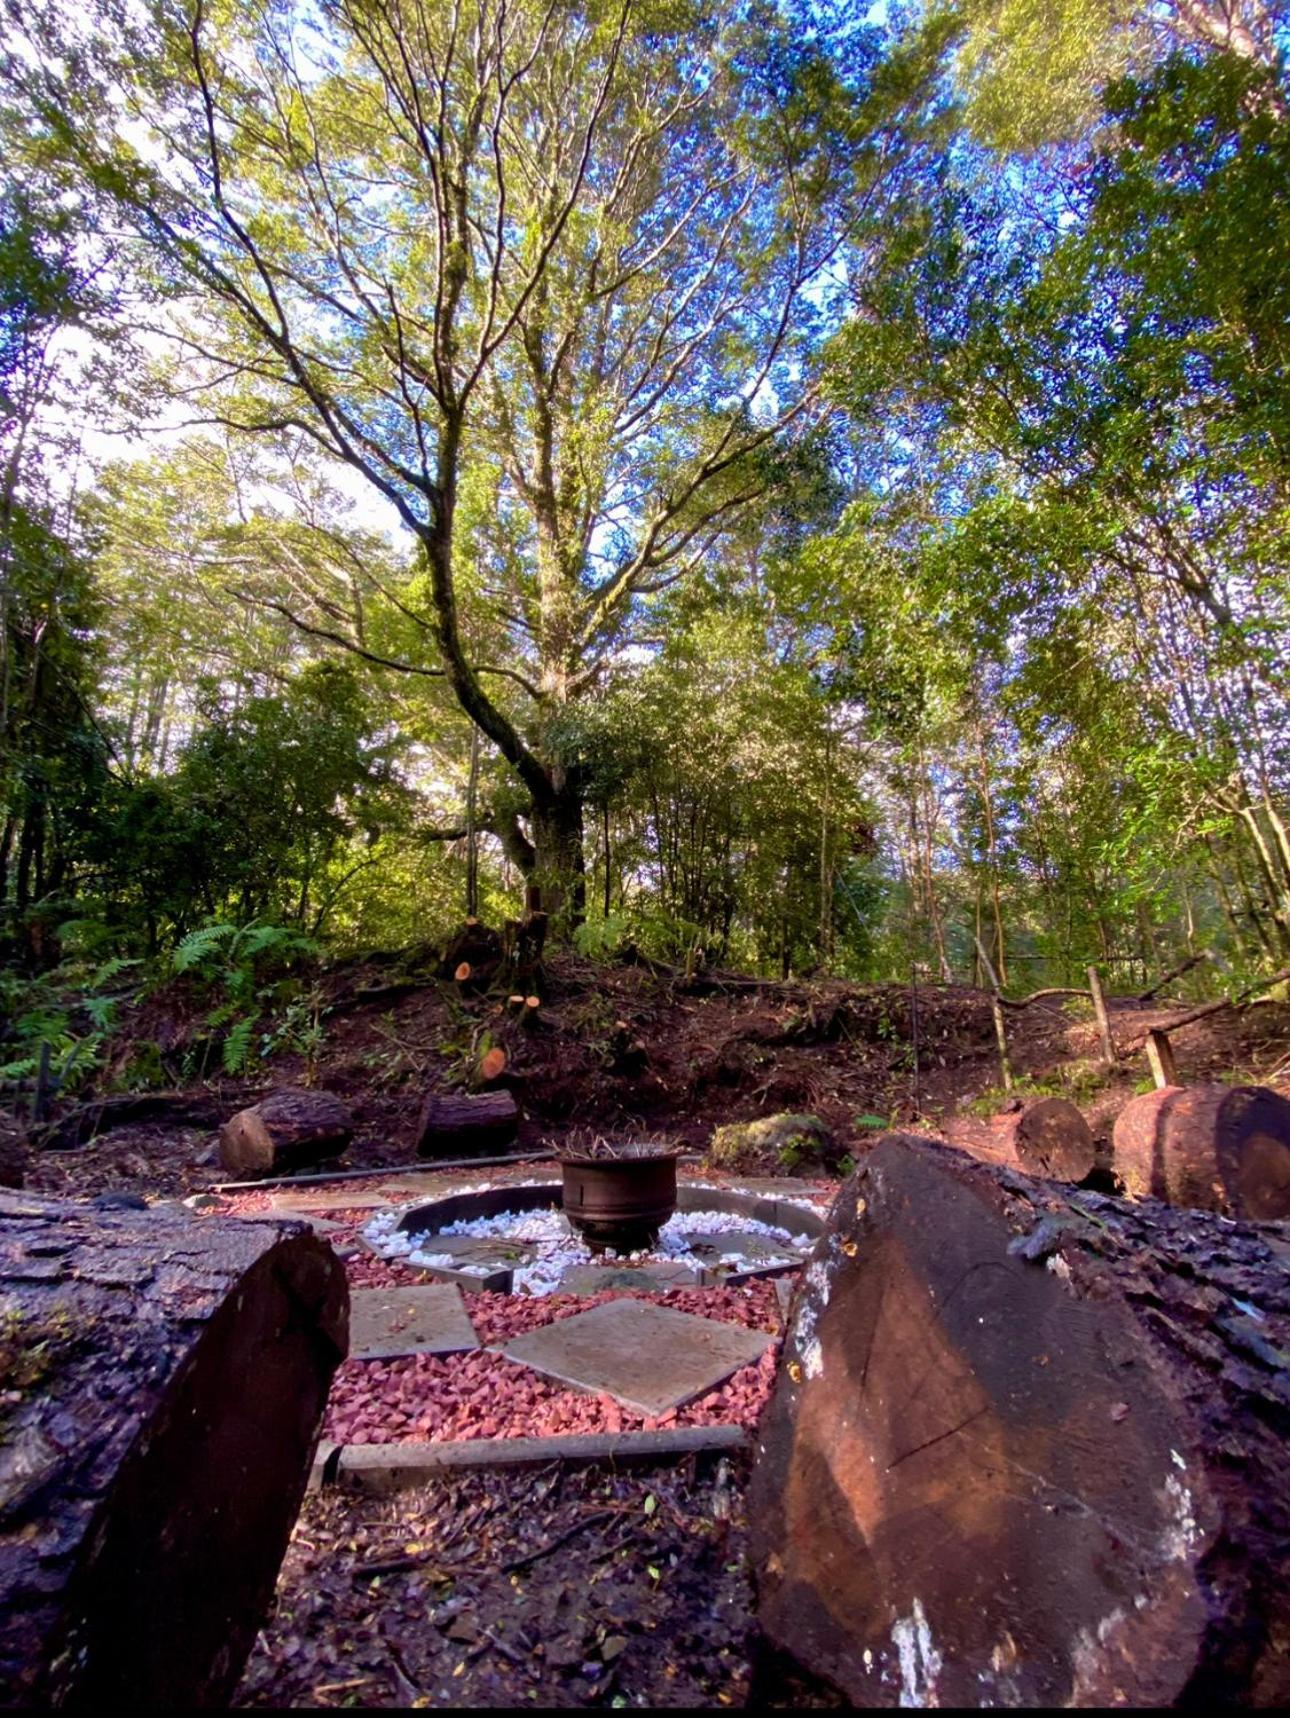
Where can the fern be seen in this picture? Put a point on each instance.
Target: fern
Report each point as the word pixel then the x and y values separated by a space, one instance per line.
pixel 236 1052
pixel 111 969
pixel 198 945
pixel 101 1010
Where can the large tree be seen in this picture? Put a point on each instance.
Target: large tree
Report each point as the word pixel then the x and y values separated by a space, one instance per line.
pixel 573 255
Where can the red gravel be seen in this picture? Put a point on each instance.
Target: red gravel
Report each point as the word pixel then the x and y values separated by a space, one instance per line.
pixel 436 1398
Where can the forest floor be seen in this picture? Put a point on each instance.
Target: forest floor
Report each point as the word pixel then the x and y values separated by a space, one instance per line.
pixel 639 1594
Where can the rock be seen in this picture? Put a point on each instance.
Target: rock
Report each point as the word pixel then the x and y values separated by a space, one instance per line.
pixel 1212 1147
pixel 118 1200
pixel 289 1129
pixel 793 1139
pixel 1003 1473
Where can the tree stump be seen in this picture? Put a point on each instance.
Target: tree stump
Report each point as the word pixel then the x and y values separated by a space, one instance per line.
pixel 1213 1148
pixel 164 1379
pixel 477 947
pixel 288 1130
pixel 13 1159
pixel 1048 1138
pixel 1029 1447
pixel 451 1123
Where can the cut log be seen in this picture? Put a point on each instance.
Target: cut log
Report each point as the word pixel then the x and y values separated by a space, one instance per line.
pixel 1048 1138
pixel 1212 1147
pixel 453 1122
pixel 164 1382
pixel 287 1130
pixel 1028 1448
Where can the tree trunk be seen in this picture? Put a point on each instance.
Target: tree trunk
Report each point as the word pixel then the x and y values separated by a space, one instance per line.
pixel 1213 1148
pixel 1029 1448
pixel 165 1379
pixel 285 1131
pixel 561 867
pixel 450 1122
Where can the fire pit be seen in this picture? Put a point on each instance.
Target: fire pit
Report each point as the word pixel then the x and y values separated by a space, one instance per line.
pixel 619 1196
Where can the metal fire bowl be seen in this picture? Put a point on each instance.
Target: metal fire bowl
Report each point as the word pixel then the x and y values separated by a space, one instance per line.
pixel 619 1202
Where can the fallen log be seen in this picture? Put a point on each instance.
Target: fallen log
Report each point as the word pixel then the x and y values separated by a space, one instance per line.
pixel 1210 1147
pixel 288 1129
pixel 164 1379
pixel 1029 1447
pixel 1240 1000
pixel 173 1109
pixel 451 1121
pixel 1047 1137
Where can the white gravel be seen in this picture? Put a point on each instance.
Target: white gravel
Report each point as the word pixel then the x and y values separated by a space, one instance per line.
pixel 556 1247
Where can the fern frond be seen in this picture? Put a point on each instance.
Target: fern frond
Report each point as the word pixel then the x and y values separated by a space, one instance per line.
pixel 198 944
pixel 236 1052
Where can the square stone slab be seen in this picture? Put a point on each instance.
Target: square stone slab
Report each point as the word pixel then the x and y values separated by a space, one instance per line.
pixel 387 1322
pixel 750 1250
pixel 647 1357
pixel 593 1279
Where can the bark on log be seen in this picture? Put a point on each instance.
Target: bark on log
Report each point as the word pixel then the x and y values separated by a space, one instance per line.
pixel 165 1379
pixel 449 1121
pixel 1028 1447
pixel 1048 1138
pixel 1212 1147
pixel 287 1130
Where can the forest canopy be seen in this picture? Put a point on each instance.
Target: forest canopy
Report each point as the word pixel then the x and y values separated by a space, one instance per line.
pixel 785 488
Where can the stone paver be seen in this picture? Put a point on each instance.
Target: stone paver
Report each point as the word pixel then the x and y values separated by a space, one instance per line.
pixel 594 1279
pixel 387 1322
pixel 647 1357
pixel 741 1251
pixel 302 1204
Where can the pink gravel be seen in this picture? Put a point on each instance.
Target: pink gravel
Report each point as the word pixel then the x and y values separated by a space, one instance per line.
pixel 437 1398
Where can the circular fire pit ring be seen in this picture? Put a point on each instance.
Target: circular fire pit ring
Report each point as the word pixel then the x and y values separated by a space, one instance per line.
pixel 439 1214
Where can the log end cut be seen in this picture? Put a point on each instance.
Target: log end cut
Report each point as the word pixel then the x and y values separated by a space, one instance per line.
pixel 988 1477
pixel 1208 1147
pixel 166 1377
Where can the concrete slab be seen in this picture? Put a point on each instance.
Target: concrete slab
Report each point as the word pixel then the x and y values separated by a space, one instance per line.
pixel 304 1204
pixel 741 1252
pixel 495 1251
pixel 595 1279
pixel 387 1322
pixel 319 1225
pixel 647 1357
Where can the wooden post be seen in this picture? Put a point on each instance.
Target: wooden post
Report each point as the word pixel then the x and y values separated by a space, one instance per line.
pixel 996 1008
pixel 1160 1054
pixel 1103 1019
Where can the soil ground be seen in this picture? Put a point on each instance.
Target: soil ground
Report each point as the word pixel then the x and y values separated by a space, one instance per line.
pixel 628 1602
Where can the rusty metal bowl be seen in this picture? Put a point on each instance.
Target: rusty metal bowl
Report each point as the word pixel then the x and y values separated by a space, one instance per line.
pixel 620 1201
